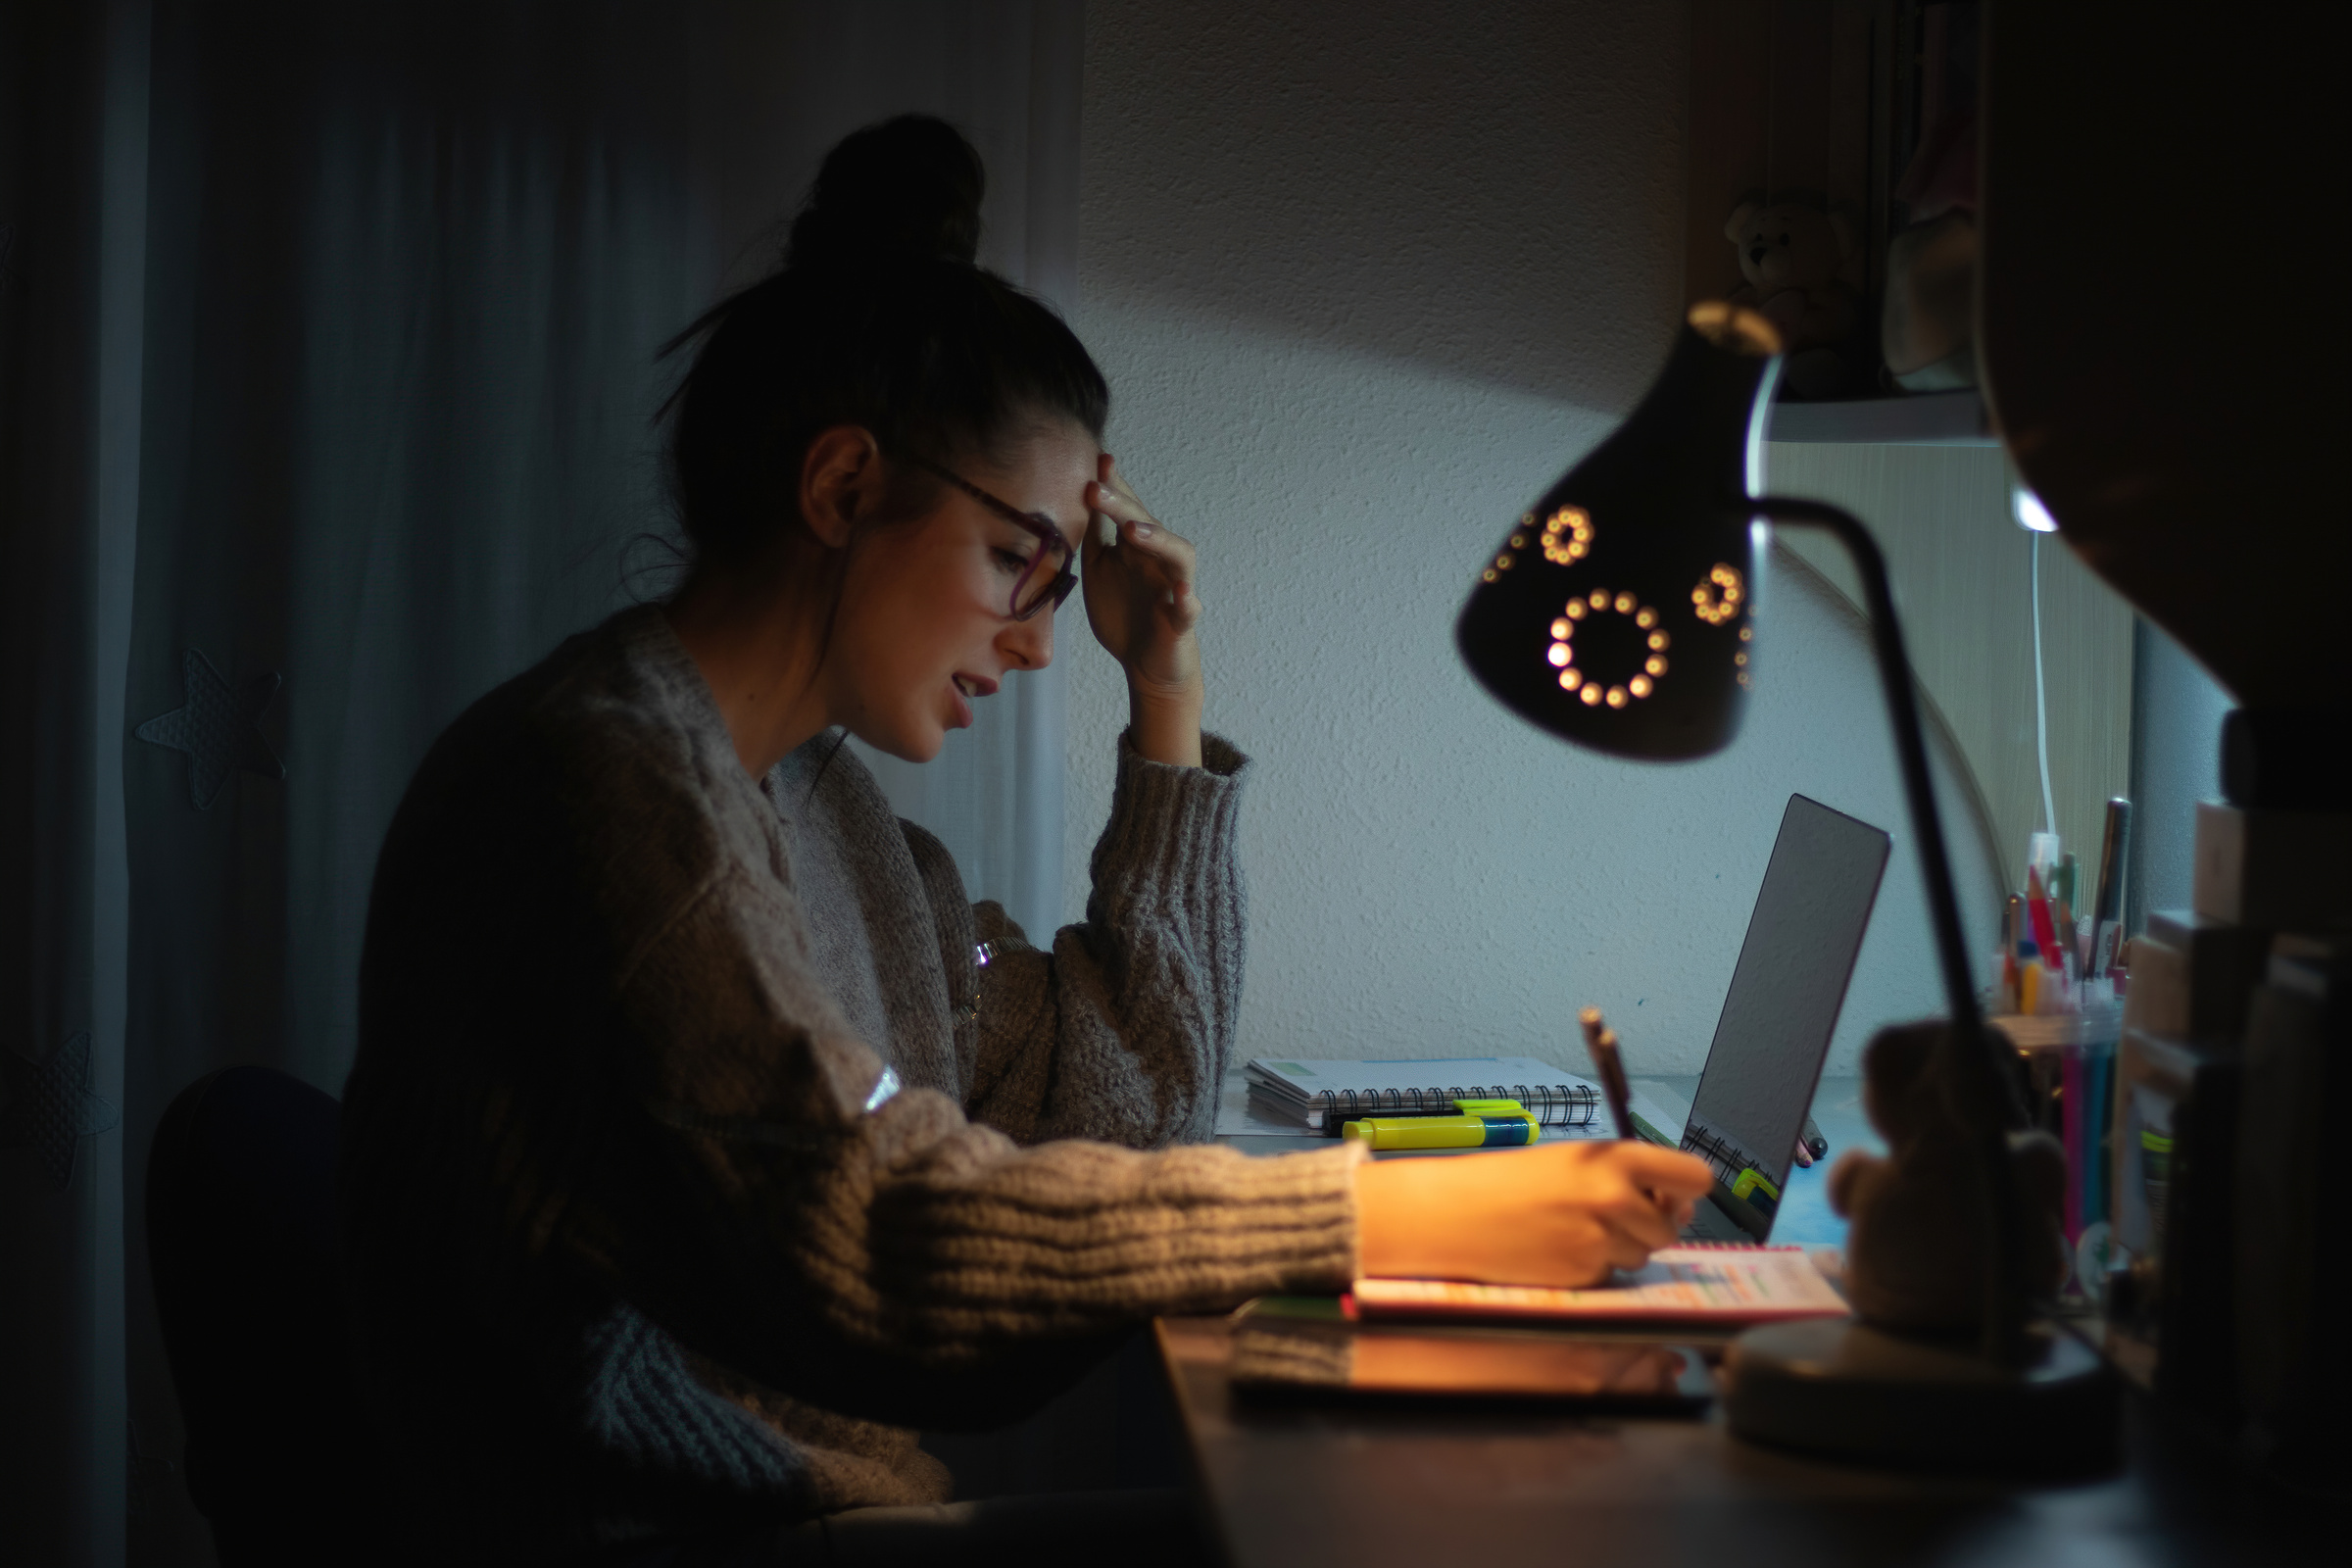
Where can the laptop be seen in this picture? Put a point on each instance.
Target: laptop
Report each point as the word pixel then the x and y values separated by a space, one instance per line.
pixel 1783 1006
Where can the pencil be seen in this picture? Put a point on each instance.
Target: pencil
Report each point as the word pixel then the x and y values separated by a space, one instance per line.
pixel 1602 1040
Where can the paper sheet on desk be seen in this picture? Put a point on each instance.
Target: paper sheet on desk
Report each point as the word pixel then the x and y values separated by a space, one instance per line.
pixel 1719 1285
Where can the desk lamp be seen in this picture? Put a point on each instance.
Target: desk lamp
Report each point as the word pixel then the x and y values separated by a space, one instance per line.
pixel 1620 614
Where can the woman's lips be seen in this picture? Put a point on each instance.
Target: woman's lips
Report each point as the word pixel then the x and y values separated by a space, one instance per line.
pixel 964 688
pixel 959 713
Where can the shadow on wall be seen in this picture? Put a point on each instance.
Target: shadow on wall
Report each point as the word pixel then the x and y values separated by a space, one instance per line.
pixel 1456 186
pixel 1364 282
pixel 1429 875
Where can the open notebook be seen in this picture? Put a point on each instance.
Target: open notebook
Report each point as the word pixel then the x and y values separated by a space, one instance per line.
pixel 1729 1286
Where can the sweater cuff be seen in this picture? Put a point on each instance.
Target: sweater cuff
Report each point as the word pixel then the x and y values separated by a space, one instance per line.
pixel 1321 1185
pixel 1174 824
pixel 1219 759
pixel 1282 1224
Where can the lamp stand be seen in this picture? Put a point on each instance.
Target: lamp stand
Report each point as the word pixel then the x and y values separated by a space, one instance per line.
pixel 1848 1391
pixel 2025 1397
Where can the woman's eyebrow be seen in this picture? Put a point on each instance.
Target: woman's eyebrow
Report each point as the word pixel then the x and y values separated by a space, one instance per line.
pixel 1062 530
pixel 1072 533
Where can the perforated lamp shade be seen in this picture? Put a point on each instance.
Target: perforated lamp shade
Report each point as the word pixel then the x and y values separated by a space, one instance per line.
pixel 1618 612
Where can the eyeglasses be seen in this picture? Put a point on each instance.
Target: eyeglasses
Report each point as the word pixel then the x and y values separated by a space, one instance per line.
pixel 1047 580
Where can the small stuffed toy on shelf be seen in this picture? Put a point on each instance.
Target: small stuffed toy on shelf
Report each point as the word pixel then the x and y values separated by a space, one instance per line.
pixel 1916 1248
pixel 1792 255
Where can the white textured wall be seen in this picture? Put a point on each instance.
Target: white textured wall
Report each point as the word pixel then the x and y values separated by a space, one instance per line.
pixel 1364 279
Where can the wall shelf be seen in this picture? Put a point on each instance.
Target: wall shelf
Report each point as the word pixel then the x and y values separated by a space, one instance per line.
pixel 1927 419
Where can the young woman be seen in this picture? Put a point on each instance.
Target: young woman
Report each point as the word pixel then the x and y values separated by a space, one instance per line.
pixel 693 1158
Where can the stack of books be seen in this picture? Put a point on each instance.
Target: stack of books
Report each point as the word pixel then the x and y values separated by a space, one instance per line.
pixel 2236 1028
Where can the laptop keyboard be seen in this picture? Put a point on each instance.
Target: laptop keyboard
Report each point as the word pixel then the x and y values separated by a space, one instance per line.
pixel 1711 1224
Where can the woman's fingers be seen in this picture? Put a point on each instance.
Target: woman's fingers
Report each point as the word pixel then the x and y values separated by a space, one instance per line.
pixel 1115 501
pixel 1134 521
pixel 1627 1252
pixel 1106 474
pixel 1668 1172
pixel 1565 1214
pixel 1157 571
pixel 1116 516
pixel 1115 498
pixel 1640 1197
pixel 1637 1214
pixel 1170 555
pixel 1138 574
pixel 1122 505
pixel 1171 564
pixel 1167 557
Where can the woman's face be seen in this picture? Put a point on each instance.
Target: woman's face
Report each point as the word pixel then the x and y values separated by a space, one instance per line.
pixel 924 629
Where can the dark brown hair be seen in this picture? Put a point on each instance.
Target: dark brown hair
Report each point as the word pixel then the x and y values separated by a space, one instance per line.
pixel 881 318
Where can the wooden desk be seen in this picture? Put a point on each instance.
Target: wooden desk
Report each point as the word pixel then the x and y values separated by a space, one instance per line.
pixel 1292 1487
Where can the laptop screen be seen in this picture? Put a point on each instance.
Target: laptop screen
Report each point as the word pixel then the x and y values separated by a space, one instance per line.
pixel 1782 1005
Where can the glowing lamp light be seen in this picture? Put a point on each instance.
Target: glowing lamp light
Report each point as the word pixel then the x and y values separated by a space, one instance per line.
pixel 1562 654
pixel 1632 553
pixel 2029 510
pixel 1567 535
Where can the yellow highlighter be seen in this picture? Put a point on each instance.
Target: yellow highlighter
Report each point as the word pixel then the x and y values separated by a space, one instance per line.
pixel 1755 1189
pixel 1475 1124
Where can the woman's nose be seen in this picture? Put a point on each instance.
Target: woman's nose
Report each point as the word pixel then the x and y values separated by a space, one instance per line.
pixel 1029 643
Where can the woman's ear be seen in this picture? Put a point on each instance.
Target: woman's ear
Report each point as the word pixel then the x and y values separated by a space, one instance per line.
pixel 843 479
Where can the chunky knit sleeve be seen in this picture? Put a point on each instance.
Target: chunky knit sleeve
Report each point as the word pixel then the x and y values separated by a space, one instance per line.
pixel 1123 1029
pixel 631 1244
pixel 863 1258
pixel 601 1072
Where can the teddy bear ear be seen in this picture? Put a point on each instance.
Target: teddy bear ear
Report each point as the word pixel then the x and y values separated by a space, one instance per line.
pixel 1842 226
pixel 1733 229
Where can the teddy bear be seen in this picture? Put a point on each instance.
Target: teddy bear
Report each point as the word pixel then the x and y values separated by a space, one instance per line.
pixel 1791 254
pixel 1915 1249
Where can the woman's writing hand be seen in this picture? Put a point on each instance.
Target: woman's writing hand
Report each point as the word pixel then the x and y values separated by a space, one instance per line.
pixel 1142 607
pixel 1561 1213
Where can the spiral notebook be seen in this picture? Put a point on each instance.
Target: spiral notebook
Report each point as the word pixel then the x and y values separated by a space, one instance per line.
pixel 1319 1096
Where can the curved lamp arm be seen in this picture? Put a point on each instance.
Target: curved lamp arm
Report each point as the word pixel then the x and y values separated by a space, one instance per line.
pixel 1972 1079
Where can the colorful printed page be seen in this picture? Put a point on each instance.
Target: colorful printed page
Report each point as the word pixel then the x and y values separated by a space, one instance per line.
pixel 1721 1285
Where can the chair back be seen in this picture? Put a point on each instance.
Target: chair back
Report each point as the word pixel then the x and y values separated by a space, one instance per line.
pixel 243 1243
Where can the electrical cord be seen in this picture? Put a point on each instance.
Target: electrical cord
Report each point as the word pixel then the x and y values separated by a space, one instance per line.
pixel 2042 706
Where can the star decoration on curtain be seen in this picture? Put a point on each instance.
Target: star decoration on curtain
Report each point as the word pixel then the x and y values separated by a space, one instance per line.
pixel 48 1107
pixel 216 727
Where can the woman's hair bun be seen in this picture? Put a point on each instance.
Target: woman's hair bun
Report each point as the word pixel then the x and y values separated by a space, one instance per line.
pixel 909 186
pixel 880 318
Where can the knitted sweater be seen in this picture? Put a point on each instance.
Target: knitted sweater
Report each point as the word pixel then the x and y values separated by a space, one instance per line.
pixel 631 1255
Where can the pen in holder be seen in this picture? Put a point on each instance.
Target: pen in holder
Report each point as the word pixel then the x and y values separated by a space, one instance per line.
pixel 2065 1066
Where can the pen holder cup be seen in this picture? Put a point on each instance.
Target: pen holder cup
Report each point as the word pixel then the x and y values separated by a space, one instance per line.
pixel 2065 1076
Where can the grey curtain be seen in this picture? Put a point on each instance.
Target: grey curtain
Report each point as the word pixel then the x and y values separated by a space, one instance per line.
pixel 326 367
